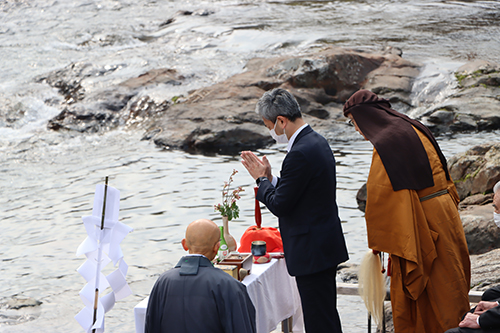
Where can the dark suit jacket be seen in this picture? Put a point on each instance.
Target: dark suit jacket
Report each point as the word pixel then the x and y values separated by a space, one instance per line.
pixel 491 318
pixel 197 297
pixel 304 202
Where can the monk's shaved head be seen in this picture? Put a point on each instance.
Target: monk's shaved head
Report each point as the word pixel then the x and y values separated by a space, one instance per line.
pixel 202 237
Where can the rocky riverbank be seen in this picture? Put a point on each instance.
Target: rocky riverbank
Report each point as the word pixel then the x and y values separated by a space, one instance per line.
pixel 221 118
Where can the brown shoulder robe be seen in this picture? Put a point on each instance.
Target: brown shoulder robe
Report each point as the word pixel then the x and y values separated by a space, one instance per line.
pixel 430 260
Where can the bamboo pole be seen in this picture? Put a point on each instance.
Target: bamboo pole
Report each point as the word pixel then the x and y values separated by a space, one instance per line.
pixel 99 255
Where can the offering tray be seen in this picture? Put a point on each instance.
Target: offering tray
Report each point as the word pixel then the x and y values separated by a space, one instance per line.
pixel 241 261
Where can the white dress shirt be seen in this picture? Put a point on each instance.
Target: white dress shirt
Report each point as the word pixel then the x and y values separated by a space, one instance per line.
pixel 290 144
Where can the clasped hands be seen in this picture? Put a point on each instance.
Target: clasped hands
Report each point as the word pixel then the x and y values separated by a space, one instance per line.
pixel 256 167
pixel 470 319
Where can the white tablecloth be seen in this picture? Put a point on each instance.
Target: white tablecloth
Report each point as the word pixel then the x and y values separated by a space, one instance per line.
pixel 273 292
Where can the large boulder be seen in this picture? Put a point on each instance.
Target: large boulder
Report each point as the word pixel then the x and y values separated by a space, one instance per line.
pixel 222 118
pixel 477 170
pixel 485 270
pixel 481 233
pixel 474 106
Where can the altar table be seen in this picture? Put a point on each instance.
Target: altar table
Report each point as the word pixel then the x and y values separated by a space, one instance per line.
pixel 273 292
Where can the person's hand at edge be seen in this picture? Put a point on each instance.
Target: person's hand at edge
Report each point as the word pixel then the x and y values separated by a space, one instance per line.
pixel 470 321
pixel 484 306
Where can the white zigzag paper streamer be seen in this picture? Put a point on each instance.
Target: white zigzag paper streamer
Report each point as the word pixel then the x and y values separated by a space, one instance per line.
pixel 102 247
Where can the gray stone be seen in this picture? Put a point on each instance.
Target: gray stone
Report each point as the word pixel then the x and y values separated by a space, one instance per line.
pixel 442 117
pixel 16 310
pixel 348 272
pixel 481 233
pixel 475 104
pixel 106 108
pixel 477 170
pixel 361 196
pixel 485 270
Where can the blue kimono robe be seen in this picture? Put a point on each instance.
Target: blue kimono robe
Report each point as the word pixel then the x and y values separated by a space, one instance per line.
pixel 196 297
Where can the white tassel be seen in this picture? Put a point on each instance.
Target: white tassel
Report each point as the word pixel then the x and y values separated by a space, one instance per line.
pixel 372 286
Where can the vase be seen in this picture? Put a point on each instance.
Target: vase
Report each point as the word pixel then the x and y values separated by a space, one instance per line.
pixel 231 242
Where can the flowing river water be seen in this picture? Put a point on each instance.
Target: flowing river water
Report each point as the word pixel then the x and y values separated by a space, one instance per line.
pixel 47 179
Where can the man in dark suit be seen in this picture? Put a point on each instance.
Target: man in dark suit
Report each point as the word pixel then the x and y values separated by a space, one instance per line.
pixel 303 198
pixel 485 317
pixel 194 296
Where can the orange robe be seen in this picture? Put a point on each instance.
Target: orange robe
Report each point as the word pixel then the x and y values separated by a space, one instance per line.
pixel 430 261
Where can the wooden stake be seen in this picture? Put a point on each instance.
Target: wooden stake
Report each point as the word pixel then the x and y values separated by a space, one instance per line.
pixel 96 299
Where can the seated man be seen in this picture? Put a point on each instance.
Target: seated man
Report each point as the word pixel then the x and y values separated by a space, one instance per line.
pixel 485 317
pixel 196 297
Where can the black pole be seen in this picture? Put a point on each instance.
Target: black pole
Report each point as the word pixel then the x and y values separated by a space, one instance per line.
pixel 96 297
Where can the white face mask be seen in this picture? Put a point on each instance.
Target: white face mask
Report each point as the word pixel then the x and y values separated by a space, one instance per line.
pixel 279 138
pixel 496 218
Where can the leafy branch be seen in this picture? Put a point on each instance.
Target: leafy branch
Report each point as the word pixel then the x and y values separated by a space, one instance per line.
pixel 228 207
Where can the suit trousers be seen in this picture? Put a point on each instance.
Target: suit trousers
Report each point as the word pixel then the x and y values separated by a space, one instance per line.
pixel 491 294
pixel 318 295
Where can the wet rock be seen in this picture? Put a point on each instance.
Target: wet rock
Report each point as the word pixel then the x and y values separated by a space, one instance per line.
pixel 154 77
pixel 389 324
pixel 16 303
pixel 485 270
pixel 473 106
pixel 442 117
pixel 68 80
pixel 481 233
pixel 13 115
pixel 392 80
pixel 348 272
pixel 476 199
pixel 103 113
pixel 82 121
pixel 17 310
pixel 361 196
pixel 144 107
pixel 110 107
pixel 477 170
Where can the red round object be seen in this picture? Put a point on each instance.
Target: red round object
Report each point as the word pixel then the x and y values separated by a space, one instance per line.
pixel 270 235
pixel 262 259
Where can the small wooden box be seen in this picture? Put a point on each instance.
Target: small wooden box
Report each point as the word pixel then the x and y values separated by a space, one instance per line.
pixel 229 269
pixel 241 260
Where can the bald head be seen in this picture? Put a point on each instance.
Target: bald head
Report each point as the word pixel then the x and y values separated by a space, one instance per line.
pixel 202 237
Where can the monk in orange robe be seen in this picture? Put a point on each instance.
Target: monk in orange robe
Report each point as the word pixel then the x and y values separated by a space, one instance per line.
pixel 411 213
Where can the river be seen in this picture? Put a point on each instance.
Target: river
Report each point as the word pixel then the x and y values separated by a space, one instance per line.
pixel 47 179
